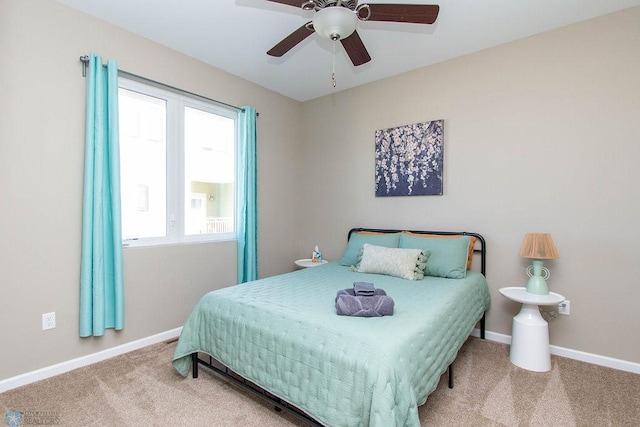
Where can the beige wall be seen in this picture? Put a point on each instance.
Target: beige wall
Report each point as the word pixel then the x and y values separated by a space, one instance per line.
pixel 540 135
pixel 41 167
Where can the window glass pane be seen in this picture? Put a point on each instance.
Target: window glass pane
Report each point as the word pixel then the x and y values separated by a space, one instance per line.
pixel 143 158
pixel 209 147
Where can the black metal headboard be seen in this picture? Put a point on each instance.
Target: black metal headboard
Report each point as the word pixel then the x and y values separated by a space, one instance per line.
pixel 479 248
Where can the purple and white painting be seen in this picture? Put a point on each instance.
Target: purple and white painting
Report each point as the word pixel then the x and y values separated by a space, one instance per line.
pixel 409 160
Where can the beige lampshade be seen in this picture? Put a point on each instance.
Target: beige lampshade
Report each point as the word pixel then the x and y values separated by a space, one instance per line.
pixel 538 246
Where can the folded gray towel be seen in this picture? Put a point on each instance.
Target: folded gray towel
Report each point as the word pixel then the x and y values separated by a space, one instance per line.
pixel 352 293
pixel 363 288
pixel 373 306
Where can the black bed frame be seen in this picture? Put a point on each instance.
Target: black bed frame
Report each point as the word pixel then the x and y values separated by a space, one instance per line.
pixel 221 370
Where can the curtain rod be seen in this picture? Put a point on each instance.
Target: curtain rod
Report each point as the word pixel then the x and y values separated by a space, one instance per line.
pixel 85 64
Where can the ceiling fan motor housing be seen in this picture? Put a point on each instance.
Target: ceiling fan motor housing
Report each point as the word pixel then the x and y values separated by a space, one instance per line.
pixel 321 4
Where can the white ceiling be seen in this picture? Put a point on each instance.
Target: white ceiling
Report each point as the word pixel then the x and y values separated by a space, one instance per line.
pixel 234 35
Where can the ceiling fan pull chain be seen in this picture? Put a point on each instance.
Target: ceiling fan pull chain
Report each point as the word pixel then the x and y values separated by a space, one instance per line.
pixel 333 69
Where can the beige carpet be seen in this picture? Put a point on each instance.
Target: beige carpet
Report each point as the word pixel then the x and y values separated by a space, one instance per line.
pixel 141 388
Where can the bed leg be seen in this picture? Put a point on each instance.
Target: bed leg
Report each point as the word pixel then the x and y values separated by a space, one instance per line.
pixel 194 363
pixel 483 324
pixel 451 375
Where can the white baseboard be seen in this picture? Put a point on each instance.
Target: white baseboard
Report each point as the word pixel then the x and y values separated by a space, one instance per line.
pixel 582 356
pixel 61 368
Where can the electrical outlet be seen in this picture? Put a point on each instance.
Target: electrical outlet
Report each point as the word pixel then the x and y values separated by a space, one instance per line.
pixel 48 321
pixel 564 307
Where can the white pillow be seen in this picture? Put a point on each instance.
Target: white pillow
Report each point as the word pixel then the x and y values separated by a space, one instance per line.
pixel 405 263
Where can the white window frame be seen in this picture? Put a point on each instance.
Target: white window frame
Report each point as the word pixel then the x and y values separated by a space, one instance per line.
pixel 175 157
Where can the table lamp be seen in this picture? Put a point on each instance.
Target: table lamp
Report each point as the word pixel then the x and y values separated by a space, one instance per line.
pixel 538 247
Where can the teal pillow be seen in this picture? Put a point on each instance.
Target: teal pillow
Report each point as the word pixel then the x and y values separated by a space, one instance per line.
pixel 448 256
pixel 354 245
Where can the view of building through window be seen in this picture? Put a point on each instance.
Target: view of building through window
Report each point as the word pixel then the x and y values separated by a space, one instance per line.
pixel 143 165
pixel 209 172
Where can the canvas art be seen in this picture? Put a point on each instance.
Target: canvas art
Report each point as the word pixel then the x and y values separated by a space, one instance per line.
pixel 409 160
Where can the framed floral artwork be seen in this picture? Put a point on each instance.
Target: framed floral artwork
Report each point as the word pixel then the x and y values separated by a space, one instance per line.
pixel 409 160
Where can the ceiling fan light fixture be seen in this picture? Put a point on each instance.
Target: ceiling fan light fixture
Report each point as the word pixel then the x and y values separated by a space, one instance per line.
pixel 335 23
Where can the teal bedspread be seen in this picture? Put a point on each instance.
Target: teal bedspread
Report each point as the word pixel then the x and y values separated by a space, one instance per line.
pixel 283 333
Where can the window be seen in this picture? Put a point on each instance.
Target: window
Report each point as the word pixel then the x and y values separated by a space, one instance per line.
pixel 177 167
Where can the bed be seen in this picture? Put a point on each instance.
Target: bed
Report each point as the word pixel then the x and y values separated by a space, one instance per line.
pixel 281 337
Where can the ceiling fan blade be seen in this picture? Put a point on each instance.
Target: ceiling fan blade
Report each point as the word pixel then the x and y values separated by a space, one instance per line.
pixel 355 49
pixel 291 40
pixel 412 13
pixel 295 3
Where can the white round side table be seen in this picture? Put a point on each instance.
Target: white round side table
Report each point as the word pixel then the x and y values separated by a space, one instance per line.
pixel 308 262
pixel 530 332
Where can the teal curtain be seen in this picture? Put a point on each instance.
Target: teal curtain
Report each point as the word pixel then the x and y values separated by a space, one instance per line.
pixel 247 195
pixel 101 279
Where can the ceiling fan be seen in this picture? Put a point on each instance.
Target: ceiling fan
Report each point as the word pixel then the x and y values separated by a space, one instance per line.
pixel 337 20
